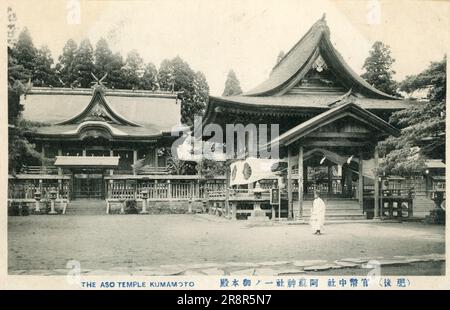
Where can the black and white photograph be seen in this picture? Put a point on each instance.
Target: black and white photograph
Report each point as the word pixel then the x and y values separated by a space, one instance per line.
pixel 220 144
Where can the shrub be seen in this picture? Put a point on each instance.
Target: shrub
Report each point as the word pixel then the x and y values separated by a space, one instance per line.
pixel 131 207
pixel 25 210
pixel 14 210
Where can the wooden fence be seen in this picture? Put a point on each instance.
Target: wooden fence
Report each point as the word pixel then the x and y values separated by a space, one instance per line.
pixel 163 190
pixel 28 188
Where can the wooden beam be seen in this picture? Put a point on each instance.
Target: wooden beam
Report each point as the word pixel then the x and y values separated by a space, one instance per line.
pixel 289 182
pixel 359 135
pixel 335 142
pixel 300 180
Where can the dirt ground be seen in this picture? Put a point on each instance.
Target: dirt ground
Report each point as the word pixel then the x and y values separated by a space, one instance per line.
pixel 103 242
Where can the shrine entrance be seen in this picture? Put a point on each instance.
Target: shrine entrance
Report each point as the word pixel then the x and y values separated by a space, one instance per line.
pixel 330 174
pixel 88 183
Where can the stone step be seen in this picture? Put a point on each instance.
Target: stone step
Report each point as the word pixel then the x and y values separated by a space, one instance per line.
pixel 86 207
pixel 306 213
pixel 340 209
pixel 340 217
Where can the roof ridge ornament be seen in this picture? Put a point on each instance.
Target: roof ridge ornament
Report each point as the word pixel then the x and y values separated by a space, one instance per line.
pixel 98 84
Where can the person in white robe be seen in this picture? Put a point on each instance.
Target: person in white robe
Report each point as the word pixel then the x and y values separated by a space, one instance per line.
pixel 317 214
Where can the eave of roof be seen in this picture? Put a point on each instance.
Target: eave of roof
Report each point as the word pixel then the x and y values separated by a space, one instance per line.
pixel 308 126
pixel 116 131
pixel 87 161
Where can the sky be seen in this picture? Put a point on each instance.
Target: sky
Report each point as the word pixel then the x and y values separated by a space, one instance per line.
pixel 214 36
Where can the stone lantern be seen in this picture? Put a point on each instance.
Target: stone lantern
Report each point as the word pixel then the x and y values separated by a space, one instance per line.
pixel 52 196
pixel 144 196
pixel 257 214
pixel 37 197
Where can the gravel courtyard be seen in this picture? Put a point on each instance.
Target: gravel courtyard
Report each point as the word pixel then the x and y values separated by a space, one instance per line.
pixel 132 241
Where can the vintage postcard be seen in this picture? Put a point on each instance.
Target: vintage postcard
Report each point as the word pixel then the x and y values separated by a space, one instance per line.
pixel 252 145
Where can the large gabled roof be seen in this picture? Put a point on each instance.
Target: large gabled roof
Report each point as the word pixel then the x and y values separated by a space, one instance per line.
pixel 291 88
pixel 123 113
pixel 299 60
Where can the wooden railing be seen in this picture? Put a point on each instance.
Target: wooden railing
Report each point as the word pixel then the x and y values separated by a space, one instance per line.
pixel 40 170
pixel 27 190
pixel 166 190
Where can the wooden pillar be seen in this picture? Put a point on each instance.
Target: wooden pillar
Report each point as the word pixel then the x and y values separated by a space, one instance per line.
pixel 43 154
pixel 330 181
pixel 111 153
pixel 376 187
pixel 289 183
pixel 58 192
pixel 348 180
pixel 84 152
pixel 156 157
pixel 169 189
pixel 227 190
pixel 300 180
pixel 134 160
pixel 59 168
pixel 361 181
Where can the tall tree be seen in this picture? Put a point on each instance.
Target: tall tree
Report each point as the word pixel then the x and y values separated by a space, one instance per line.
pixel 21 64
pixel 166 78
pixel 44 73
pixel 378 70
pixel 103 57
pixel 25 52
pixel 423 123
pixel 232 85
pixel 16 71
pixel 134 69
pixel 83 64
pixel 65 66
pixel 149 78
pixel 177 75
pixel 116 72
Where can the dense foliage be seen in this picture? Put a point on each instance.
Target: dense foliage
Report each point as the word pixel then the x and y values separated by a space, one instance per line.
pixel 423 123
pixel 378 70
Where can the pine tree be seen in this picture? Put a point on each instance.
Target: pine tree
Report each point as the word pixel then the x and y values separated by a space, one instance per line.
pixel 134 69
pixel 423 123
pixel 44 73
pixel 232 85
pixel 116 73
pixel 201 93
pixel 149 78
pixel 177 75
pixel 166 78
pixel 378 69
pixel 103 58
pixel 65 66
pixel 83 64
pixel 25 52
